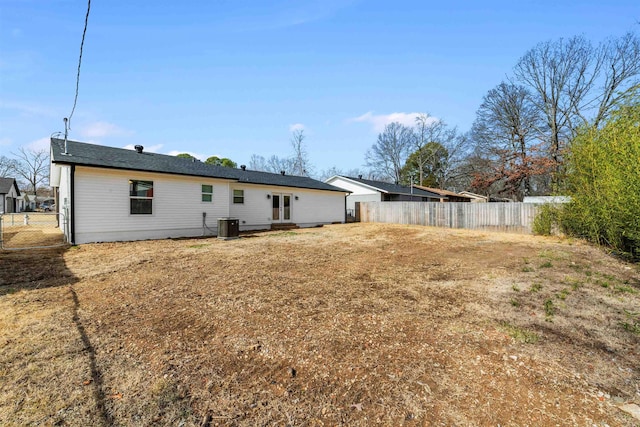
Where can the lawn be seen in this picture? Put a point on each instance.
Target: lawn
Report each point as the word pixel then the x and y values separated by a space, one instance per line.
pixel 342 325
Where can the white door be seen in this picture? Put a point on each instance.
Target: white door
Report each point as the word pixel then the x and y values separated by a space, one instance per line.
pixel 281 207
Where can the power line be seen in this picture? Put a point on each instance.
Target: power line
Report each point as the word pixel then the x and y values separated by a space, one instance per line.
pixel 75 99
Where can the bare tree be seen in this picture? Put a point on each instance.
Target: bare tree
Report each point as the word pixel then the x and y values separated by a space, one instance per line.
pixel 273 164
pixel 457 152
pixel 560 74
pixel 277 164
pixel 301 166
pixel 7 166
pixel 297 164
pixel 505 131
pixel 575 84
pixel 620 59
pixel 354 173
pixel 434 142
pixel 32 166
pixel 257 163
pixel 388 155
pixel 328 173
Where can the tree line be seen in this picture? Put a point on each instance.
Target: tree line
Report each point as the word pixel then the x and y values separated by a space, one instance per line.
pixel 29 166
pixel 517 145
pixel 524 126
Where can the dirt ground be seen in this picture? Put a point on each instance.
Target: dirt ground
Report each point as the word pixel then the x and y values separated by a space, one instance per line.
pixel 360 324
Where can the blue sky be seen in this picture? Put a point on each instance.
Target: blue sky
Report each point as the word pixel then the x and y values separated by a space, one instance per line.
pixel 233 78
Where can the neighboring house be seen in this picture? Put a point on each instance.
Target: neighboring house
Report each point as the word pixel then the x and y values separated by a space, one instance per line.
pixel 21 202
pixel 475 198
pixel 366 190
pixel 446 195
pixel 114 194
pixel 546 199
pixel 9 195
pixel 33 202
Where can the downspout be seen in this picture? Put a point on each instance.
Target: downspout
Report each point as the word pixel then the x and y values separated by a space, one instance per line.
pixel 345 208
pixel 72 192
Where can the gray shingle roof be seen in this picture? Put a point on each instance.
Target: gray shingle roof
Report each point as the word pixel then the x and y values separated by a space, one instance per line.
pixel 83 154
pixel 5 185
pixel 396 188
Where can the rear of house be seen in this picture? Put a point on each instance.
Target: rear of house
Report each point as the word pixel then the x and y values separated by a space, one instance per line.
pixel 111 194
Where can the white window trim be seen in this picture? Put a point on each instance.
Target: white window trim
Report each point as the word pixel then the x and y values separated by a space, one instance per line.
pixel 233 196
pixel 203 193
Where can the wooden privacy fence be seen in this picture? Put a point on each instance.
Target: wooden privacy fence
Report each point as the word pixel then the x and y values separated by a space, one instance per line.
pixel 508 217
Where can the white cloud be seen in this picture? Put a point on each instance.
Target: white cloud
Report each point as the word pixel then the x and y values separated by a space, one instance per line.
pixel 200 157
pixel 103 129
pixel 5 142
pixel 39 144
pixel 379 121
pixel 150 149
pixel 296 126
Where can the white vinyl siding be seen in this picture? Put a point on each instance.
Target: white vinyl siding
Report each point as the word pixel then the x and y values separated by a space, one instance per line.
pixel 102 206
pixel 359 192
pixel 355 188
pixel 313 207
pixel 255 212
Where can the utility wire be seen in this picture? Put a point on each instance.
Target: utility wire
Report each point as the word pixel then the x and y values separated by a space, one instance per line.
pixel 84 32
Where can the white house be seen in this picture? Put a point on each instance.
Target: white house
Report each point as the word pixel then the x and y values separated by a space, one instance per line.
pixel 114 194
pixel 9 196
pixel 367 190
pixel 475 198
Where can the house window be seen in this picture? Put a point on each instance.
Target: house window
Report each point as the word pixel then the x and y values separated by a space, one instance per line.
pixel 238 196
pixel 141 197
pixel 207 193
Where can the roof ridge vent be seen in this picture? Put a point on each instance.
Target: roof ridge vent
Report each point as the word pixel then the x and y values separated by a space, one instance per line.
pixel 139 148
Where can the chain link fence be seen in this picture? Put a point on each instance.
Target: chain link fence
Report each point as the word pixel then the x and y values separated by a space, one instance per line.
pixel 31 230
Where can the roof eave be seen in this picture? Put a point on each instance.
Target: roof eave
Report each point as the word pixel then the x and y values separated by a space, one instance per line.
pixel 88 165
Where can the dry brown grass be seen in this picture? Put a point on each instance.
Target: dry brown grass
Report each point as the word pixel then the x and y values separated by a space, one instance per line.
pixel 41 230
pixel 342 325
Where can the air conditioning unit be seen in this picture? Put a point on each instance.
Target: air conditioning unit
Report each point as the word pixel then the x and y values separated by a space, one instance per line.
pixel 228 228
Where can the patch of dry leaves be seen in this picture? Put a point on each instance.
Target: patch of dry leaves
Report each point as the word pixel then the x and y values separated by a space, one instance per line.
pixel 342 325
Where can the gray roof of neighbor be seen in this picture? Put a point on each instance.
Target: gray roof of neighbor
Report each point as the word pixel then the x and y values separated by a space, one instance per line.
pixel 5 185
pixel 396 188
pixel 83 154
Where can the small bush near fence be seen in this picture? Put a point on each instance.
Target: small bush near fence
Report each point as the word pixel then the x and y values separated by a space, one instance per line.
pixel 547 220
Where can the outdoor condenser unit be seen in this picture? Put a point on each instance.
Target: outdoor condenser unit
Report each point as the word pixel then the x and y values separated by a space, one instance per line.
pixel 228 228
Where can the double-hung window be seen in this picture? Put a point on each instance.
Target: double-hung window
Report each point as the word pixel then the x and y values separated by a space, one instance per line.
pixel 141 197
pixel 238 196
pixel 207 193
